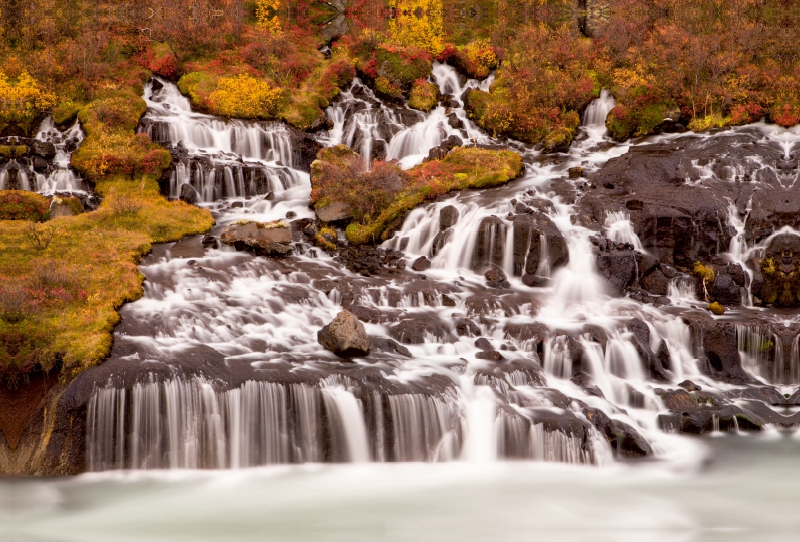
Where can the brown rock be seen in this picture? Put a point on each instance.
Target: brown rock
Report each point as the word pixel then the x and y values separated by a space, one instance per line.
pixel 345 336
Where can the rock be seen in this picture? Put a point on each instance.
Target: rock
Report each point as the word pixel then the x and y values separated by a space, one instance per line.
pixel 40 165
pixel 623 438
pixel 534 281
pixel 440 240
pixel 641 340
pixel 575 172
pixel 725 291
pixel 345 336
pixel 268 238
pixel 455 122
pixel 618 267
pixel 495 274
pixel 537 240
pixel 420 329
pixel 335 212
pixel 484 344
pixel 188 193
pixel 490 243
pixel 688 385
pixel 437 153
pixel 655 282
pixel 421 264
pixel 716 341
pixel 209 241
pixel 291 214
pixel 780 271
pixel 492 355
pixel 448 301
pixel 466 328
pixel 44 149
pixel 390 346
pixel 448 217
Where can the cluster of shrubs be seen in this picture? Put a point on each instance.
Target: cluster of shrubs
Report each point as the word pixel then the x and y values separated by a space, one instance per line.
pixel 380 197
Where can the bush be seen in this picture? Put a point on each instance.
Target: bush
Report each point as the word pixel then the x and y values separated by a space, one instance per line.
pixel 23 205
pixel 380 198
pixel 476 60
pixel 120 154
pixel 244 96
pixel 424 95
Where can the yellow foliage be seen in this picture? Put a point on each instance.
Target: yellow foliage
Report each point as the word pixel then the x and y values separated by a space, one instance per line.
pixel 627 78
pixel 244 96
pixel 267 16
pixel 22 99
pixel 418 23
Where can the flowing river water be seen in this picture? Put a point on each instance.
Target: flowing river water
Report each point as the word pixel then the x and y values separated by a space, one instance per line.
pixel 218 366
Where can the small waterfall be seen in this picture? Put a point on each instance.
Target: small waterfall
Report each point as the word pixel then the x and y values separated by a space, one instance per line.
pixel 346 421
pixel 61 177
pixel 594 118
pixel 620 229
pixel 220 158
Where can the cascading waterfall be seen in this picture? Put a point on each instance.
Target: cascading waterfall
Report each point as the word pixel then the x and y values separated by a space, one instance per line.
pixel 220 158
pixel 565 349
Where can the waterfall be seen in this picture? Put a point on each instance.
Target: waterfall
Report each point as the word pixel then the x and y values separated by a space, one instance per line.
pixel 217 155
pixel 594 118
pixel 620 229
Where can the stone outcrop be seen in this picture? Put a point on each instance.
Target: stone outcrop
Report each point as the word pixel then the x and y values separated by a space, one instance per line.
pixel 345 336
pixel 268 238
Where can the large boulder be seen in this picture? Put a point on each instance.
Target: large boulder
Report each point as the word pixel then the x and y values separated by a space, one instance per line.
pixel 536 240
pixel 337 211
pixel 448 217
pixel 44 149
pixel 188 193
pixel 490 243
pixel 345 336
pixel 268 238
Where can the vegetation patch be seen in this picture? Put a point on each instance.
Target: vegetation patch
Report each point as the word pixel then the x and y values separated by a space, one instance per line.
pixel 424 95
pixel 381 197
pixel 23 205
pixel 72 273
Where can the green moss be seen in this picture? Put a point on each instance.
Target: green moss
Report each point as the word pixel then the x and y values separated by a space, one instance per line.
pixel 73 285
pixel 327 238
pixel 424 96
pixel 386 89
pixel 74 203
pixel 65 112
pixel 381 197
pixel 403 65
pixel 716 308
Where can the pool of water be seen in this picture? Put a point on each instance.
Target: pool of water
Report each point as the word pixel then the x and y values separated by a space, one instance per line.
pixel 735 488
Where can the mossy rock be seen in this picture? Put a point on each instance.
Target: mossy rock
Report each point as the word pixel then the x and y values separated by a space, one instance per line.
pixel 65 113
pixel 388 90
pixel 424 96
pixel 403 65
pixel 23 205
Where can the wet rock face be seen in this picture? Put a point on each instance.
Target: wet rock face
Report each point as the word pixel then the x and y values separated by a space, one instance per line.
pixel 269 238
pixel 334 212
pixel 780 270
pixel 537 242
pixel 490 243
pixel 345 336
pixel 678 194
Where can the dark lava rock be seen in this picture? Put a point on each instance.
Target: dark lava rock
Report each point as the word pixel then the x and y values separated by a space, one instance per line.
pixel 43 149
pixel 531 230
pixel 466 328
pixel 484 344
pixel 421 264
pixel 419 329
pixel 495 274
pixel 448 217
pixel 617 265
pixel 623 439
pixel 493 355
pixel 655 282
pixel 345 336
pixel 535 281
pixel 437 153
pixel 490 243
pixel 440 240
pixel 389 346
pixel 688 385
pixel 716 342
pixel 641 340
pixel 188 193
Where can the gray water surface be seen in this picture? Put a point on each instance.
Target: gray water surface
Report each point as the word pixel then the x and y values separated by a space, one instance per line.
pixel 740 488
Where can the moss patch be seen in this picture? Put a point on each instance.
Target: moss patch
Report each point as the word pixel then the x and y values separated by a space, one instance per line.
pixel 62 302
pixel 424 95
pixel 381 197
